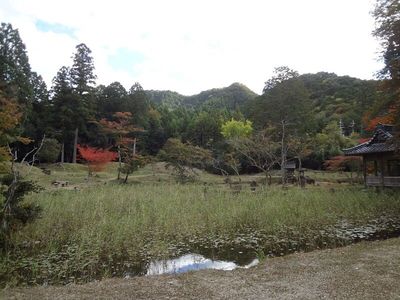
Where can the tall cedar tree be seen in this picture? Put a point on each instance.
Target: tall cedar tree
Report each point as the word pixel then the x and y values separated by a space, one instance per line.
pixel 73 97
pixel 64 110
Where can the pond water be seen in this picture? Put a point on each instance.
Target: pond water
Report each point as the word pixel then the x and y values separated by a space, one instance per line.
pixel 242 252
pixel 192 262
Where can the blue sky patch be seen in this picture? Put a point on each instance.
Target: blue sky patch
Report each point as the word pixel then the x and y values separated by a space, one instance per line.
pixel 125 60
pixel 54 27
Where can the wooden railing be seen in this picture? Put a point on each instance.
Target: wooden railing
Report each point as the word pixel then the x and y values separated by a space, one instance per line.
pixel 387 181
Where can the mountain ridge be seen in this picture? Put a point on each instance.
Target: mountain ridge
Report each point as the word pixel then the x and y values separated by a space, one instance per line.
pixel 231 97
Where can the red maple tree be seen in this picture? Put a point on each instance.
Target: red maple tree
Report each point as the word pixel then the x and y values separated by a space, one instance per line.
pixel 96 158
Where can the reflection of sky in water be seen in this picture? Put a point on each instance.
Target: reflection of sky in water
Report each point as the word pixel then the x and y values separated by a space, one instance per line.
pixel 192 262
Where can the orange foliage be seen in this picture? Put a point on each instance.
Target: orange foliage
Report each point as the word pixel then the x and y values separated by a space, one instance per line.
pixel 97 159
pixel 388 118
pixel 10 116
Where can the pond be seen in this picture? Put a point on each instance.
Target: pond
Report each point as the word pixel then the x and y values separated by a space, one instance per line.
pixel 193 262
pixel 244 251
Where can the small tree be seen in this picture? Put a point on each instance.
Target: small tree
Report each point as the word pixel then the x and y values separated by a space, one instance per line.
pixel 184 158
pixel 259 150
pixel 97 159
pixel 120 130
pixel 133 163
pixel 14 213
pixel 234 129
pixel 10 116
pixel 50 151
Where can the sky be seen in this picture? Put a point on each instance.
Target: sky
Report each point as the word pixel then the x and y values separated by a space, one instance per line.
pixel 193 45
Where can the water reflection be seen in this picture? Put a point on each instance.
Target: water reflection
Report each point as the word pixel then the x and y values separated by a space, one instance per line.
pixel 192 262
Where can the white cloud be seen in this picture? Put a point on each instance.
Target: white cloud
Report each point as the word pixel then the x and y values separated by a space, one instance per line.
pixel 191 46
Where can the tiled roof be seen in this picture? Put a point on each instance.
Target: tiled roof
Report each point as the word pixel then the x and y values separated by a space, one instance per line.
pixel 377 144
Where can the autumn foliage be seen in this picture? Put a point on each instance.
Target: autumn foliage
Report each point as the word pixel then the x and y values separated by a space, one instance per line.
pixel 97 159
pixel 388 118
pixel 10 116
pixel 343 163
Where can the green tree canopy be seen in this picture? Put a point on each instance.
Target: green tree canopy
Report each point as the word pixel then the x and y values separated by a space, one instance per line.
pixel 236 129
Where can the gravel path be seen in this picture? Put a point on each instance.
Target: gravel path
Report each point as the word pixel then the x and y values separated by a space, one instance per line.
pixel 369 270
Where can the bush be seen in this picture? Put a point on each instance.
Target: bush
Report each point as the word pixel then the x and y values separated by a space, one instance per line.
pixel 14 212
pixel 50 151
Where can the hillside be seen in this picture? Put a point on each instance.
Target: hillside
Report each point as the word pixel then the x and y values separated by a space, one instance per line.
pixel 231 97
pixel 331 98
pixel 340 97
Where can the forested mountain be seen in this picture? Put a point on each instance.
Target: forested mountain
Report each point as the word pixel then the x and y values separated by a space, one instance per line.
pixel 231 97
pixel 332 98
pixel 336 98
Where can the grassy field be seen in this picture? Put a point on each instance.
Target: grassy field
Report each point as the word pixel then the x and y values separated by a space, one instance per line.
pixel 102 229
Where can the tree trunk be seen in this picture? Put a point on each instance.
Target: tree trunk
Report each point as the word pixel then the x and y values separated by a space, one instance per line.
pixel 126 177
pixel 62 153
pixel 283 154
pixel 119 162
pixel 133 153
pixel 75 146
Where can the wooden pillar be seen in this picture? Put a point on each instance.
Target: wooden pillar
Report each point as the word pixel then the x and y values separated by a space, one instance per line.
pixel 382 168
pixel 365 170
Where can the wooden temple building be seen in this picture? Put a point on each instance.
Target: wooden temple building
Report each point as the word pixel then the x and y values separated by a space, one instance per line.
pixel 381 158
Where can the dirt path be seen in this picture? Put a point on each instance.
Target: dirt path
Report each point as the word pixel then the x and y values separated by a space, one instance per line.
pixel 369 270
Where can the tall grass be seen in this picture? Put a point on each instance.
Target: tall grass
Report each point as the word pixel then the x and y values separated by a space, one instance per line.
pixel 87 229
pixel 129 216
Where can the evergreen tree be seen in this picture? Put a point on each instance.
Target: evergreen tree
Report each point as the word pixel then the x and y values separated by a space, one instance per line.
pixel 111 99
pixel 285 99
pixel 82 72
pixel 64 110
pixel 138 104
pixel 39 121
pixel 82 80
pixel 15 70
